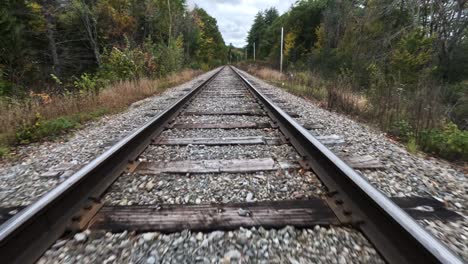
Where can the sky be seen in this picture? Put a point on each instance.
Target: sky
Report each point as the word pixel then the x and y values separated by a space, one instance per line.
pixel 236 16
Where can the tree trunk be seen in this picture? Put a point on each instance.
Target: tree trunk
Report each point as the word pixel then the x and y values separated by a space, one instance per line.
pixel 50 33
pixel 91 32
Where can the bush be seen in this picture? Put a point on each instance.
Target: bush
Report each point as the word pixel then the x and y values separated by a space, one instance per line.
pixel 6 88
pixel 412 145
pixel 456 96
pixel 44 128
pixel 123 64
pixel 403 130
pixel 87 84
pixel 4 151
pixel 450 142
pixel 170 57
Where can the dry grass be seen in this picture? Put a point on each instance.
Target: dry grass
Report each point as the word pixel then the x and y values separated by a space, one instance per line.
pixel 330 94
pixel 268 74
pixel 342 97
pixel 17 114
pixel 336 94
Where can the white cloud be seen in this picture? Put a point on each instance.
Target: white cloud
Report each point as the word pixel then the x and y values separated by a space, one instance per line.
pixel 236 16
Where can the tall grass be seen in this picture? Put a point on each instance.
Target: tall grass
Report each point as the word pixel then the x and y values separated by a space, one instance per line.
pixel 45 115
pixel 336 94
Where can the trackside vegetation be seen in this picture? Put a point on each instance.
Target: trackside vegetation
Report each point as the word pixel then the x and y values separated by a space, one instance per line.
pixel 401 65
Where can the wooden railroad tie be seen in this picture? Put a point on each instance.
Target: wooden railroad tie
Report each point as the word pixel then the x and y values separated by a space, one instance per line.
pixel 213 166
pixel 230 125
pixel 272 214
pixel 249 112
pixel 252 140
pixel 268 214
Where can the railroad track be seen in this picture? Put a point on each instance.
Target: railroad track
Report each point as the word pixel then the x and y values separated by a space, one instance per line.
pixel 335 195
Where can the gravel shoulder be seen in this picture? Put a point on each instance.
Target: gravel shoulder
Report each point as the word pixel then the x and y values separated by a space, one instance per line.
pixel 41 166
pixel 405 174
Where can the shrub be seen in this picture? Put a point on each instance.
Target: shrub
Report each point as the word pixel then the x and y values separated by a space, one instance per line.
pixel 456 96
pixel 450 142
pixel 170 56
pixel 44 128
pixel 412 145
pixel 122 64
pixel 86 84
pixel 403 130
pixel 4 151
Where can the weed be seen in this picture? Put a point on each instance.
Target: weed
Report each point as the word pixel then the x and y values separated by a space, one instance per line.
pixel 45 129
pixel 4 151
pixel 412 145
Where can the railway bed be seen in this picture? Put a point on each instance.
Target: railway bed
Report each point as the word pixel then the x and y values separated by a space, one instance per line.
pixel 225 157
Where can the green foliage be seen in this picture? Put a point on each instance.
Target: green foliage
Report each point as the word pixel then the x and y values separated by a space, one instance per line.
pixel 124 64
pixel 403 130
pixel 456 97
pixel 4 151
pixel 44 128
pixel 86 84
pixel 299 24
pixel 44 45
pixel 412 145
pixel 211 48
pixel 22 42
pixel 6 88
pixel 449 142
pixel 412 55
pixel 48 129
pixel 170 56
pixel 400 64
pixel 56 79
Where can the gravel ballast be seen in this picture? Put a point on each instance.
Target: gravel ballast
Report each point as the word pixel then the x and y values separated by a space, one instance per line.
pixel 287 245
pixel 213 188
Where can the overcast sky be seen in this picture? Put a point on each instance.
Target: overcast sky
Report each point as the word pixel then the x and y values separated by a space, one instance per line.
pixel 236 16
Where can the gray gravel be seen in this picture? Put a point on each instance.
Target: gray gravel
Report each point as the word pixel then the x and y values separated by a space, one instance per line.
pixel 214 119
pixel 207 188
pixel 287 245
pixel 201 152
pixel 219 133
pixel 41 166
pixel 406 174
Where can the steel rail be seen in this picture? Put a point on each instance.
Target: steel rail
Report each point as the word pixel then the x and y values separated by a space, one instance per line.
pixel 27 235
pixel 397 236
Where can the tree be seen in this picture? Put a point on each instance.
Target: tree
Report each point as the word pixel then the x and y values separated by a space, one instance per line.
pixel 51 43
pixel 212 49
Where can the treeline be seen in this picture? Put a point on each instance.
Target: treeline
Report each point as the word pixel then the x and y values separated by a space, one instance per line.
pixel 400 63
pixel 85 44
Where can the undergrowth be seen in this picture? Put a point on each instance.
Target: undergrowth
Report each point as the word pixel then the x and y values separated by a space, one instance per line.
pixel 43 116
pixel 444 139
